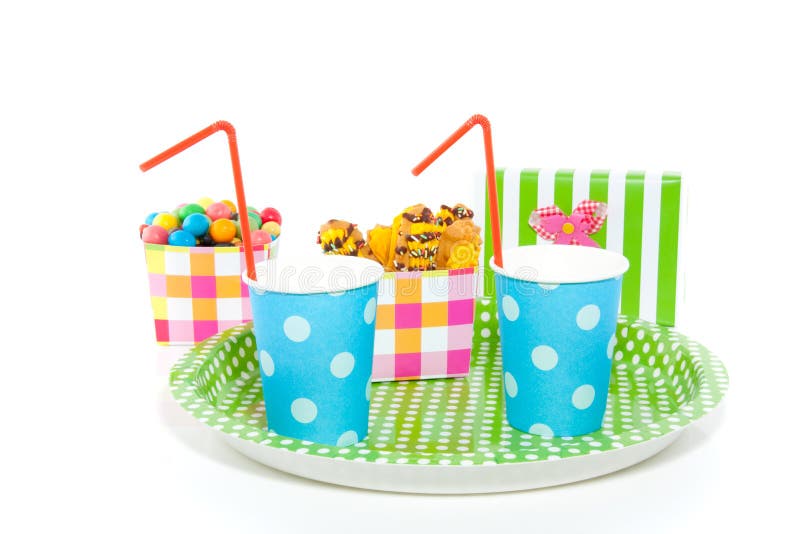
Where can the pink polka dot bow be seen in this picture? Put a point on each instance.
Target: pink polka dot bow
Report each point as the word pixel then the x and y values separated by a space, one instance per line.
pixel 553 225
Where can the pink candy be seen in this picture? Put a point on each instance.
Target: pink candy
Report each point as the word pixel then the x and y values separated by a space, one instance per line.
pixel 155 234
pixel 218 210
pixel 260 237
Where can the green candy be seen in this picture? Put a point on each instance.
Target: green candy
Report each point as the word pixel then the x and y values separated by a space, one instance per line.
pixel 188 209
pixel 255 224
pixel 255 221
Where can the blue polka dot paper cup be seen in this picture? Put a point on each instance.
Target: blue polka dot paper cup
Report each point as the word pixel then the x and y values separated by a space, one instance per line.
pixel 314 323
pixel 558 308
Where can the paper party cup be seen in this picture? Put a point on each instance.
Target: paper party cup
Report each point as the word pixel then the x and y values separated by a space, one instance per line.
pixel 558 307
pixel 196 292
pixel 314 323
pixel 424 325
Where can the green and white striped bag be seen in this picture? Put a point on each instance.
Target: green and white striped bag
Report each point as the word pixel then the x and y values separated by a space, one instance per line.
pixel 644 215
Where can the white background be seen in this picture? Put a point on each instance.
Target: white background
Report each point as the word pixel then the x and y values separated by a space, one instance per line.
pixel 334 102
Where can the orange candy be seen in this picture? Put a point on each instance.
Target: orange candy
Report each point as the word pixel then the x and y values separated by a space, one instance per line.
pixel 222 231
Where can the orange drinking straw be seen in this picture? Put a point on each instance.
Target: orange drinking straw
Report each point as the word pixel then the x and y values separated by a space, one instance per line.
pixel 494 211
pixel 237 179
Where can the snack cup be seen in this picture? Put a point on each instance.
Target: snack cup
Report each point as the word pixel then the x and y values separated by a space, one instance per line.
pixel 424 325
pixel 196 292
pixel 314 323
pixel 558 308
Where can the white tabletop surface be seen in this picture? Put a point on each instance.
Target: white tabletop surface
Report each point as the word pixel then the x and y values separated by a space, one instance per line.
pixel 334 103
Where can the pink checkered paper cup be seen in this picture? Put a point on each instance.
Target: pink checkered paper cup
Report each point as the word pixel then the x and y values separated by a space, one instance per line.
pixel 425 324
pixel 196 292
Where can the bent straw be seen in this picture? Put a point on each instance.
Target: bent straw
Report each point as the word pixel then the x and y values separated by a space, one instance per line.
pixel 237 178
pixel 494 211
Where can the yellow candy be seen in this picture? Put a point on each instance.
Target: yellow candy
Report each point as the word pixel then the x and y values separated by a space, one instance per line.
pixel 205 202
pixel 272 227
pixel 167 221
pixel 230 204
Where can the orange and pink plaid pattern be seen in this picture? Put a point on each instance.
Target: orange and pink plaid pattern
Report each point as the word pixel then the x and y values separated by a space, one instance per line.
pixel 424 325
pixel 197 292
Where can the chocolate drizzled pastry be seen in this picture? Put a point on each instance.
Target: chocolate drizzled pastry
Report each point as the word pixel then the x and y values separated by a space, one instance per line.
pixel 448 215
pixel 414 242
pixel 459 246
pixel 415 239
pixel 340 237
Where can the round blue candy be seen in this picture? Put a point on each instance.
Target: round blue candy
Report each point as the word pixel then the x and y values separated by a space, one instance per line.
pixel 149 219
pixel 181 238
pixel 196 224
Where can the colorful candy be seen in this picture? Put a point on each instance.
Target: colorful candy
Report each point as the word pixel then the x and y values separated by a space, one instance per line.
pixel 255 221
pixel 182 238
pixel 207 223
pixel 272 227
pixel 155 235
pixel 188 209
pixel 270 214
pixel 205 202
pixel 222 231
pixel 255 224
pixel 231 205
pixel 217 211
pixel 197 224
pixel 260 237
pixel 167 221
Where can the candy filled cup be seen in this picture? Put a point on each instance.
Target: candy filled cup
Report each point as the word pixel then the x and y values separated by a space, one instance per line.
pixel 314 323
pixel 558 308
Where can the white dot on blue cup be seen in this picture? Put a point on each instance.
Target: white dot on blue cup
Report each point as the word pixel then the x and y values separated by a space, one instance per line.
pixel 549 287
pixel 544 357
pixel 583 397
pixel 342 364
pixel 369 311
pixel 296 328
pixel 267 365
pixel 369 389
pixel 611 344
pixel 348 438
pixel 510 308
pixel 540 429
pixel 304 410
pixel 511 385
pixel 588 317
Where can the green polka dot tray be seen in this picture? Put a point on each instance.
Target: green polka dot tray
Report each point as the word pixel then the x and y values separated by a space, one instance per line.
pixel 450 435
